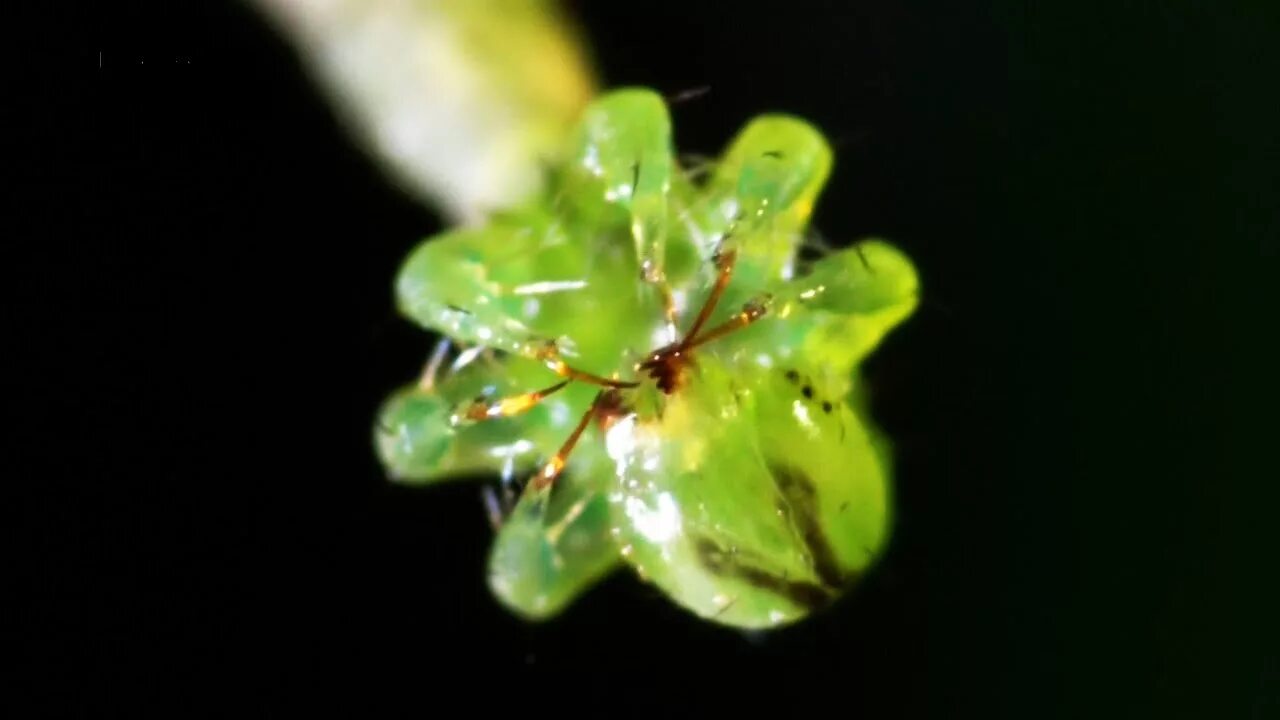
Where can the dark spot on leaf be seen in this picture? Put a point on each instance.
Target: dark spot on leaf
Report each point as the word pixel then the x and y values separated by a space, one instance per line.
pixel 807 391
pixel 863 257
pixel 808 595
pixel 798 491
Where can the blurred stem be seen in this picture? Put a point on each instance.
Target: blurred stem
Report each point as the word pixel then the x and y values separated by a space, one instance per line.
pixel 460 100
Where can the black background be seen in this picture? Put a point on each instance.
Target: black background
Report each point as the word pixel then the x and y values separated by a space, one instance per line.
pixel 1078 408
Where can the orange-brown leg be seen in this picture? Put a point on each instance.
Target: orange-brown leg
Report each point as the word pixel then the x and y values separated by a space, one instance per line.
pixel 550 356
pixel 749 313
pixel 668 308
pixel 506 407
pixel 549 472
pixel 724 264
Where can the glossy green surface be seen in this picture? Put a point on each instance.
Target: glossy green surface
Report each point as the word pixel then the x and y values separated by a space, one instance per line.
pixel 754 494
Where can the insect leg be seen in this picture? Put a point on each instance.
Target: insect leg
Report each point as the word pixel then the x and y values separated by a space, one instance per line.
pixel 506 407
pixel 428 380
pixel 550 356
pixel 649 230
pixel 545 477
pixel 724 266
pixel 493 509
pixel 749 313
pixel 668 309
pixel 696 167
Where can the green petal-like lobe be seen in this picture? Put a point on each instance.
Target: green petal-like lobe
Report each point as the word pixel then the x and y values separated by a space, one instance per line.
pixel 752 488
